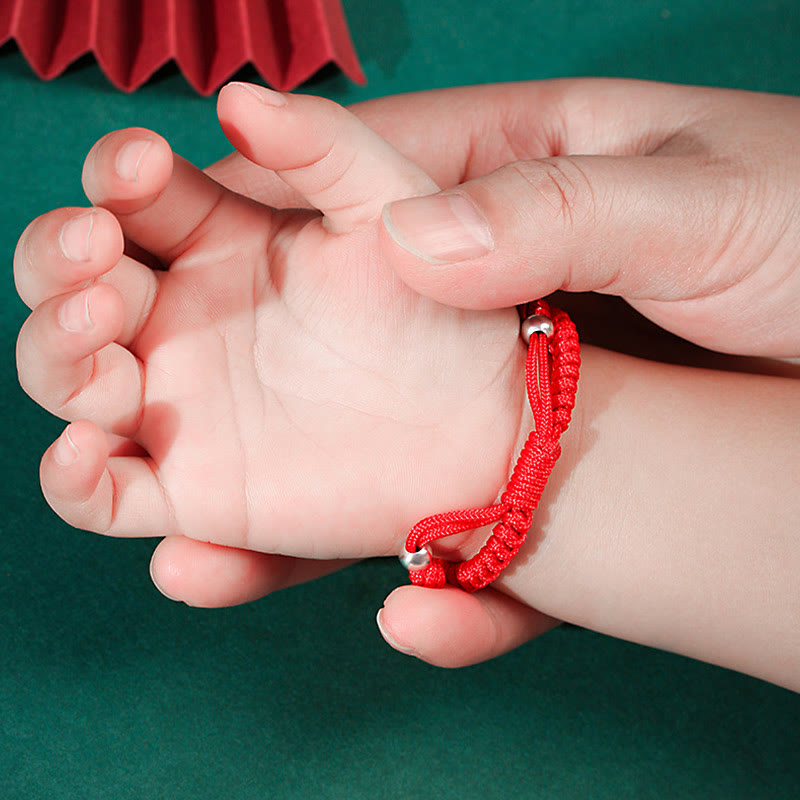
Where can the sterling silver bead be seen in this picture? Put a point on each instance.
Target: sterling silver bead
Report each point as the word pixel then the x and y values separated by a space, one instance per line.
pixel 415 561
pixel 536 323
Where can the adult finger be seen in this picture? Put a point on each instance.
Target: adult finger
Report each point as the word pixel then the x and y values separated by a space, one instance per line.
pixel 621 225
pixel 214 576
pixel 451 628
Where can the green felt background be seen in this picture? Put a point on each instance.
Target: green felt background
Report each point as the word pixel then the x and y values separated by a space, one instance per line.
pixel 107 690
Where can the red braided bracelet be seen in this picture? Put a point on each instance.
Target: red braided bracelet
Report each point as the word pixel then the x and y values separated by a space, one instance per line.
pixel 551 392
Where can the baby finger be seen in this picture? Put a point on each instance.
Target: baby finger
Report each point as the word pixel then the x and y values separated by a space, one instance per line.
pixel 69 363
pixel 117 496
pixel 63 249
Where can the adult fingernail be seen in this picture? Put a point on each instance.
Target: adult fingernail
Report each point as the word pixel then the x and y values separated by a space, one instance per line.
pixel 74 237
pixel 158 585
pixel 441 228
pixel 264 95
pixel 65 452
pixel 409 651
pixel 130 157
pixel 73 315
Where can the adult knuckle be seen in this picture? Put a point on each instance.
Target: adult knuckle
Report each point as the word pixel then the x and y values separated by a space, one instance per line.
pixel 727 221
pixel 564 186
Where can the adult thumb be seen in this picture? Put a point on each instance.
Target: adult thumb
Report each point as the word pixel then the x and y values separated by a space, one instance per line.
pixel 619 225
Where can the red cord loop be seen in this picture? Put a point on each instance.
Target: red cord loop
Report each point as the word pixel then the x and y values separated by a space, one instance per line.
pixel 551 391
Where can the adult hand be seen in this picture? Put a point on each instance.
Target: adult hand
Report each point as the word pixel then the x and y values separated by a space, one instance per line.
pixel 681 200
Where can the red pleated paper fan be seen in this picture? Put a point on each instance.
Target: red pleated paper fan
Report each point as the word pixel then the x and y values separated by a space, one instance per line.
pixel 286 40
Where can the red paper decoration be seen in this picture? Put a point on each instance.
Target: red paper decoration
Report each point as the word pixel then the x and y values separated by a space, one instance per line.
pixel 286 40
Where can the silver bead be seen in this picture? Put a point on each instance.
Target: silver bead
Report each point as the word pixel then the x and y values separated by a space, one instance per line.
pixel 415 561
pixel 536 323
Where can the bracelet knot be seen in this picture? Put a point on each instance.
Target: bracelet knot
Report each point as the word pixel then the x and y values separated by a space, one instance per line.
pixel 533 468
pixel 518 520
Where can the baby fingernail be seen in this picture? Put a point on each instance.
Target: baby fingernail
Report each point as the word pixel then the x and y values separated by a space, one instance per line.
pixel 264 95
pixel 409 651
pixel 65 452
pixel 74 316
pixel 74 237
pixel 130 158
pixel 440 228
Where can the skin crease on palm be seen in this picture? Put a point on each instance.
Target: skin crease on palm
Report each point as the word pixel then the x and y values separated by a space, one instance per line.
pixel 320 305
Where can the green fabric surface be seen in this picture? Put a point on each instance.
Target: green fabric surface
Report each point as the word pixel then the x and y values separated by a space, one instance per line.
pixel 108 690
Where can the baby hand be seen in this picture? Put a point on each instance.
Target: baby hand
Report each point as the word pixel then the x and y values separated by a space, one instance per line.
pixel 275 387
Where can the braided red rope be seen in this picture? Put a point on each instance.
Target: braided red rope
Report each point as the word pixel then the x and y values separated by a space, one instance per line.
pixel 552 397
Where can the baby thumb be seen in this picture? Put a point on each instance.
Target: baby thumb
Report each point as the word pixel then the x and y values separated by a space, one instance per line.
pixel 580 223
